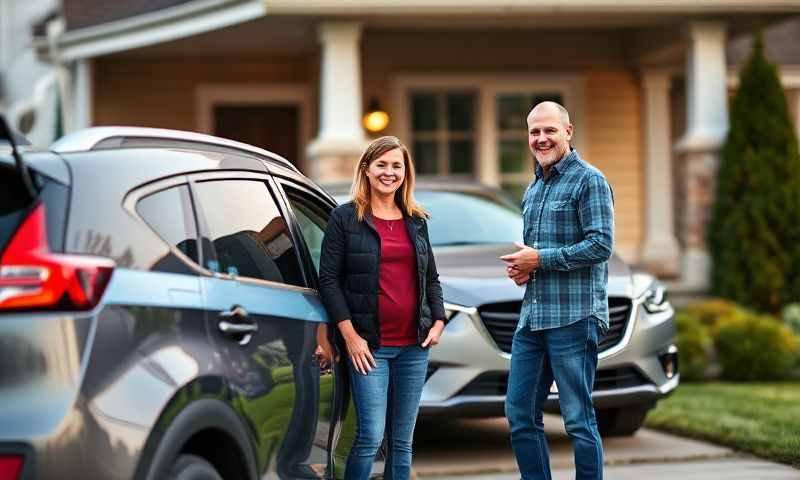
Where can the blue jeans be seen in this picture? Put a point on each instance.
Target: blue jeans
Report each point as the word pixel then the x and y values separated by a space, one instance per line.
pixel 569 355
pixel 387 398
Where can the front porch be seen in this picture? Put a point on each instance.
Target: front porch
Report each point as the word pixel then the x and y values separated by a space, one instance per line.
pixel 647 94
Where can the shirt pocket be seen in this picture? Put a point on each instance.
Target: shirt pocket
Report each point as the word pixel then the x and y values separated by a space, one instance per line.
pixel 562 218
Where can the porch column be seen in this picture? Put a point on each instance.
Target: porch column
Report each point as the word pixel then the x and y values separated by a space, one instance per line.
pixel 707 125
pixel 660 252
pixel 341 139
pixel 82 94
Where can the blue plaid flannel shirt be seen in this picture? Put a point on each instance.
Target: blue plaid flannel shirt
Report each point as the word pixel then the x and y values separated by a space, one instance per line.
pixel 569 218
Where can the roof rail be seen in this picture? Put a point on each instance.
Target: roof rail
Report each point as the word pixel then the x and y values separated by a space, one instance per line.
pixel 96 138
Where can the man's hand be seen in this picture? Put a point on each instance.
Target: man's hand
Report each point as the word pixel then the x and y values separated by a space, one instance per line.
pixel 522 262
pixel 520 278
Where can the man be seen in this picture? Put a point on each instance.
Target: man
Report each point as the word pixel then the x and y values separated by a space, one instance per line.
pixel 569 234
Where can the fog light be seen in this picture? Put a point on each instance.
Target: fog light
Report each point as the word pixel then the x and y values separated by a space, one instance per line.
pixel 669 361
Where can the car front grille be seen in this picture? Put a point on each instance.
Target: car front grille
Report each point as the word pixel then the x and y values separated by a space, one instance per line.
pixel 500 320
pixel 496 383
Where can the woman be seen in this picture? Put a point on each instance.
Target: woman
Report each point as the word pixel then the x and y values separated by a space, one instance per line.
pixel 379 283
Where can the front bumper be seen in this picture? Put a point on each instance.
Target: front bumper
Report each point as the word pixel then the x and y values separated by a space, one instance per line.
pixel 469 373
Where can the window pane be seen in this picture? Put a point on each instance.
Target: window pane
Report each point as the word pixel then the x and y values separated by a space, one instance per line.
pixel 312 224
pixel 513 109
pixel 462 153
pixel 169 213
pixel 515 156
pixel 512 112
pixel 248 233
pixel 426 157
pixel 460 112
pixel 424 112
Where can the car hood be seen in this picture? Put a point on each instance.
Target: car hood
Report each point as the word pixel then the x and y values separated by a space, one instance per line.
pixel 474 275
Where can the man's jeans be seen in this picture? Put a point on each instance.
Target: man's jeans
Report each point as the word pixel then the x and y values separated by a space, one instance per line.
pixel 568 354
pixel 388 396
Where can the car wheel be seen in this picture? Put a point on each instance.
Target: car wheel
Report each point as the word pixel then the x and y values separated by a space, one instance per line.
pixel 192 467
pixel 620 422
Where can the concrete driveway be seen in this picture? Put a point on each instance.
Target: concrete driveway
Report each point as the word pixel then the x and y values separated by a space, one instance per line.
pixel 480 449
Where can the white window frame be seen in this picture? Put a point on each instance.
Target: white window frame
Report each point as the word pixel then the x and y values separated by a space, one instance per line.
pixel 488 86
pixel 208 96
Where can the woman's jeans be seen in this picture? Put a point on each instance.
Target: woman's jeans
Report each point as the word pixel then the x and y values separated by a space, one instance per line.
pixel 387 398
pixel 569 355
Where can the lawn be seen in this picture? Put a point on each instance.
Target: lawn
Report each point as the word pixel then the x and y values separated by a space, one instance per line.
pixel 759 418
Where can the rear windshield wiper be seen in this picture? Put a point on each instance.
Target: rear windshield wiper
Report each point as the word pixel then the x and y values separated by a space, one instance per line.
pixel 22 170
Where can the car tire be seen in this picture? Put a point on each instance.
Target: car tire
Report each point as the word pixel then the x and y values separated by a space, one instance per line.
pixel 621 421
pixel 192 467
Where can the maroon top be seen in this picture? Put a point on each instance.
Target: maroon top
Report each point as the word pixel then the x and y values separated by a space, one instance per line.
pixel 397 299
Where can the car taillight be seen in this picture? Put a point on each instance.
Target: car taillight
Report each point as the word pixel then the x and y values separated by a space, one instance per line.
pixel 32 277
pixel 10 467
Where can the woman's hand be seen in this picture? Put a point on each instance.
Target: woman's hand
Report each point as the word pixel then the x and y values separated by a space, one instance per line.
pixel 324 351
pixel 357 348
pixel 434 334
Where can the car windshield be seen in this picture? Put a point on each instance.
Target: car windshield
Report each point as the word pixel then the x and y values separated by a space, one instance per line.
pixel 467 217
pixel 470 218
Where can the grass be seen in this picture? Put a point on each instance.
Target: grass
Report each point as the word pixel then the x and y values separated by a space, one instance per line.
pixel 758 418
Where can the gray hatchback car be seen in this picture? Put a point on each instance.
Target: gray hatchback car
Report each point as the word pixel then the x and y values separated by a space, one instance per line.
pixel 472 225
pixel 159 312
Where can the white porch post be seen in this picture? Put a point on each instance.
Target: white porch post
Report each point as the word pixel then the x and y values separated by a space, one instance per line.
pixel 707 125
pixel 341 138
pixel 660 252
pixel 82 94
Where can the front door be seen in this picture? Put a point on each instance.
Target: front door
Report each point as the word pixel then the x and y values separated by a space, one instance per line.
pixel 271 127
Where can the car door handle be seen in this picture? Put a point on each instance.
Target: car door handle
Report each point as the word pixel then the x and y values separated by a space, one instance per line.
pixel 237 328
pixel 236 323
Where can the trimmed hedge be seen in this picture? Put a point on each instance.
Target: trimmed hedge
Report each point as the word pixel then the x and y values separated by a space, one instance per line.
pixel 756 348
pixel 720 338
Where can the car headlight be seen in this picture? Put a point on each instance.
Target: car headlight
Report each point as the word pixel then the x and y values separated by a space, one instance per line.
pixel 655 298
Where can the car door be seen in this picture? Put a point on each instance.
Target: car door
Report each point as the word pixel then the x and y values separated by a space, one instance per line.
pixel 265 319
pixel 310 212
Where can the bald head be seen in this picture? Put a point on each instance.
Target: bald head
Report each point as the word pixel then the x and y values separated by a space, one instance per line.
pixel 549 133
pixel 549 108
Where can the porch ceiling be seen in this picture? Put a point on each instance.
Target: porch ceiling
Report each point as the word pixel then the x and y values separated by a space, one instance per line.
pixel 644 37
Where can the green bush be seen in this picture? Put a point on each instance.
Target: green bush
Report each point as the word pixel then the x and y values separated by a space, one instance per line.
pixel 714 313
pixel 694 347
pixel 755 348
pixel 754 232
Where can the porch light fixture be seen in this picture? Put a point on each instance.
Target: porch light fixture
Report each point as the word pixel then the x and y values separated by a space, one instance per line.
pixel 375 120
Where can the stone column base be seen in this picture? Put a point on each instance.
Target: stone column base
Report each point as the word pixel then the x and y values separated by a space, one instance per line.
pixel 696 274
pixel 334 160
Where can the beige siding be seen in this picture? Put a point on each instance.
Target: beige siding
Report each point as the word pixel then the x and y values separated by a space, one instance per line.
pixel 161 93
pixel 614 137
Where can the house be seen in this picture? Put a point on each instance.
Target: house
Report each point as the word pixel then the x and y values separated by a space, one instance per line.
pixel 646 83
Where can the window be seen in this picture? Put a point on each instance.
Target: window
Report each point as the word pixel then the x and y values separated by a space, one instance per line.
pixel 512 139
pixel 312 223
pixel 443 132
pixel 493 218
pixel 169 213
pixel 249 236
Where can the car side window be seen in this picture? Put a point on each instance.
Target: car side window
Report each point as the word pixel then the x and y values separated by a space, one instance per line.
pixel 249 236
pixel 169 213
pixel 312 221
